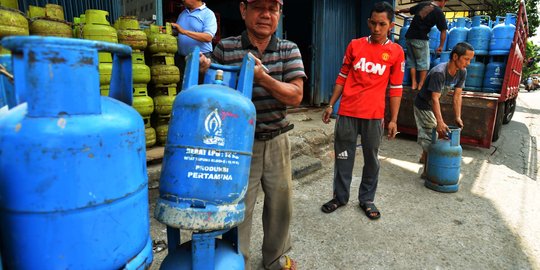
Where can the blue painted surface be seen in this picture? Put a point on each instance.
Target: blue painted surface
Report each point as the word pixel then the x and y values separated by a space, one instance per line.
pixel 329 43
pixel 73 181
pixel 494 76
pixel 502 36
pixel 457 34
pixel 208 152
pixel 480 34
pixel 444 162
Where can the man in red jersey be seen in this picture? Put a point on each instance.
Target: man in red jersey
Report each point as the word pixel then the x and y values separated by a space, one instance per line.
pixel 369 64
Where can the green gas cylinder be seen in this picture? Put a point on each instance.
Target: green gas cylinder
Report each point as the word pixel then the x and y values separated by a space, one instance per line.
pixel 129 33
pixel 12 23
pixel 163 73
pixel 160 42
pixel 50 27
pixel 54 11
pixel 35 12
pixel 162 128
pixel 141 72
pixel 164 99
pixel 97 27
pixel 150 135
pixel 14 4
pixel 141 101
pixel 105 71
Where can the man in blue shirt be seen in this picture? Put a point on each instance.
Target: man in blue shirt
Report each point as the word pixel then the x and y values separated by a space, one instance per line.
pixel 196 27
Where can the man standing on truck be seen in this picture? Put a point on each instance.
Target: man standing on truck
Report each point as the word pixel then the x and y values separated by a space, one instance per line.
pixel 426 15
pixel 441 78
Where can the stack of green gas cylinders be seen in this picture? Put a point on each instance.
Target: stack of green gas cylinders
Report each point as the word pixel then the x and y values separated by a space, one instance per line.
pixel 95 26
pixel 129 33
pixel 165 76
pixel 12 21
pixel 49 21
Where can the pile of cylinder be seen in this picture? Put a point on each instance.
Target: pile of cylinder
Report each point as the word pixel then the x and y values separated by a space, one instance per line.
pixel 154 46
pixel 491 40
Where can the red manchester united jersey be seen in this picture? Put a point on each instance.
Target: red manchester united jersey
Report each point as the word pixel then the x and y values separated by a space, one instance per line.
pixel 367 70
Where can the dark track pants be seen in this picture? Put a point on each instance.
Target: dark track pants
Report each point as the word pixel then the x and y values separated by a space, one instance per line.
pixel 345 139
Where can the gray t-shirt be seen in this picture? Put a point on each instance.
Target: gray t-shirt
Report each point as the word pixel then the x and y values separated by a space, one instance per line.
pixel 438 80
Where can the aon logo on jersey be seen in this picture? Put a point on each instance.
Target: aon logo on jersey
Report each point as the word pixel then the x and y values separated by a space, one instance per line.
pixel 370 67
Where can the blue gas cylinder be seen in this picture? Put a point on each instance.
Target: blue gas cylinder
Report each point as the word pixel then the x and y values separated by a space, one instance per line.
pixel 480 34
pixel 208 151
pixel 475 76
pixel 457 34
pixel 406 24
pixel 407 76
pixel 444 162
pixel 445 57
pixel 502 36
pixel 494 75
pixel 74 191
pixel 204 251
pixel 434 39
pixel 435 60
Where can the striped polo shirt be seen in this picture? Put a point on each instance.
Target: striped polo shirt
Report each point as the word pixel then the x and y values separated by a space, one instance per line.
pixel 283 60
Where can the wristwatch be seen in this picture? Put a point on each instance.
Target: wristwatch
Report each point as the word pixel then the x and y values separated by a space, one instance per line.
pixel 330 106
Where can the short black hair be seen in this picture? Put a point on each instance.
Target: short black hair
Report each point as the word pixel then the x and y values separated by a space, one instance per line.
pixel 380 7
pixel 461 49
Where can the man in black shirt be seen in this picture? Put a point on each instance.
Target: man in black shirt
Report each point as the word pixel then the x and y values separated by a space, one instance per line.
pixel 426 15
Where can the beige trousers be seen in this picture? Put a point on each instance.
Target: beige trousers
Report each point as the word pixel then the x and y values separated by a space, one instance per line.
pixel 271 170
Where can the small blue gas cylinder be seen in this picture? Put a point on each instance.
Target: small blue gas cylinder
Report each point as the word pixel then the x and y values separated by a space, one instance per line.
pixel 444 162
pixel 406 24
pixel 457 34
pixel 502 36
pixel 480 34
pixel 207 156
pixel 494 76
pixel 73 182
pixel 475 76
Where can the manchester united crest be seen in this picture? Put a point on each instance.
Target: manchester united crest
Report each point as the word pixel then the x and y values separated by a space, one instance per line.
pixel 385 56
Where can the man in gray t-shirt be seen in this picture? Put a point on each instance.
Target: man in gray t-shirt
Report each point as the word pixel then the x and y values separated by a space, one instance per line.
pixel 440 79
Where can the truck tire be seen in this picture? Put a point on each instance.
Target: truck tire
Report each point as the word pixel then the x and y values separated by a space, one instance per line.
pixel 509 111
pixel 498 122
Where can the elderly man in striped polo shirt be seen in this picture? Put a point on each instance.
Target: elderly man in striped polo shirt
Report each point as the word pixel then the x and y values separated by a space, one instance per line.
pixel 274 89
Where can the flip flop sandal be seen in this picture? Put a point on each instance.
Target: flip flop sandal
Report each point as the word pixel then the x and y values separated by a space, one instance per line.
pixel 370 210
pixel 287 263
pixel 331 206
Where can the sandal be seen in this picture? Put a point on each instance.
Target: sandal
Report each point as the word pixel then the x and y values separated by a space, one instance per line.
pixel 331 206
pixel 287 263
pixel 370 209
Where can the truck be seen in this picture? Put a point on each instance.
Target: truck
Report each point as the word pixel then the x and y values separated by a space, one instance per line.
pixel 483 114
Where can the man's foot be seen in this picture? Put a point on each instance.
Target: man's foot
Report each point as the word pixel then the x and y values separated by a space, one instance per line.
pixel 287 263
pixel 370 210
pixel 331 206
